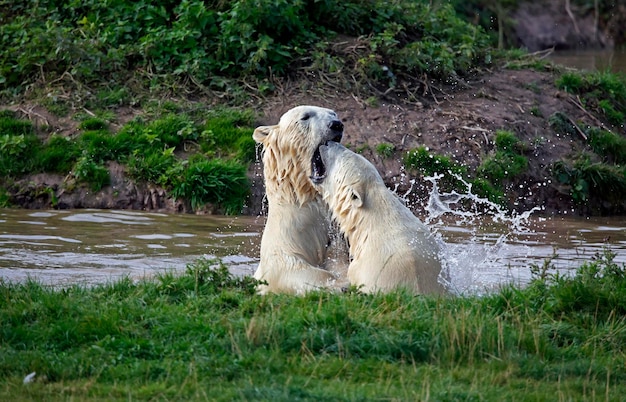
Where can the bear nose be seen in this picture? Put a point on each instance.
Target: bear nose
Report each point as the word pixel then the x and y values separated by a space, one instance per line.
pixel 336 125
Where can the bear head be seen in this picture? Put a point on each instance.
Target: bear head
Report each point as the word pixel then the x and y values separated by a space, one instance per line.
pixel 343 177
pixel 290 145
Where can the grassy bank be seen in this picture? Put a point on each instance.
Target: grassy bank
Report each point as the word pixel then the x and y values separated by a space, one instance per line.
pixel 205 335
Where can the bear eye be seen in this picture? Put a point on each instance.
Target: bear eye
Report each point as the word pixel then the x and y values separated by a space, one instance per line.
pixel 307 116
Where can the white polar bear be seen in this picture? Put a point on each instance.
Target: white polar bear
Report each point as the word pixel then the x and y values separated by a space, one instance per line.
pixel 390 247
pixel 294 245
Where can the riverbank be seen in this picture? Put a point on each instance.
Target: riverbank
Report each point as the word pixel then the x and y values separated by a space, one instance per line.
pixel 205 335
pixel 526 98
pixel 153 108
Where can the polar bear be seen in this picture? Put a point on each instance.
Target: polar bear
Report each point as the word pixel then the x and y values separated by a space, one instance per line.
pixel 389 246
pixel 296 238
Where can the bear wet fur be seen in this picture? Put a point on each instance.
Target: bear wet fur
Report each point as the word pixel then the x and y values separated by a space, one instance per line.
pixel 389 246
pixel 295 242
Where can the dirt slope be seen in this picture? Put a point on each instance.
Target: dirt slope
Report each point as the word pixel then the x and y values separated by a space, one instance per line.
pixel 461 124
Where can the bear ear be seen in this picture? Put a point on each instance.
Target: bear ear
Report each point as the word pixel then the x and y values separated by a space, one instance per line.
pixel 357 198
pixel 260 133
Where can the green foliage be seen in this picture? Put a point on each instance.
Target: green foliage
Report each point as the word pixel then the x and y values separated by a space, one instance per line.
pixel 385 149
pixel 455 176
pixel 99 145
pixel 586 178
pixel 611 146
pixel 204 277
pixel 153 166
pixel 593 292
pixel 16 153
pixel 230 133
pixel 170 131
pixel 602 92
pixel 93 124
pixel 612 115
pixel 149 149
pixel 506 163
pixel 223 183
pixel 5 198
pixel 88 171
pixel 58 155
pixel 213 42
pixel 11 126
pixel 570 82
pixel 562 124
pixel 205 334
pixel 429 164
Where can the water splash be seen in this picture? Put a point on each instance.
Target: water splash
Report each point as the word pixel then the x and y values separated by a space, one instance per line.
pixel 481 262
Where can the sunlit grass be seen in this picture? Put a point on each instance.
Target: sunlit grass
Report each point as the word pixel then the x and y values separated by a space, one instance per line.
pixel 206 335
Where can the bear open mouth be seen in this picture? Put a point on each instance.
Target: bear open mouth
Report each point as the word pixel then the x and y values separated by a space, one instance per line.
pixel 318 169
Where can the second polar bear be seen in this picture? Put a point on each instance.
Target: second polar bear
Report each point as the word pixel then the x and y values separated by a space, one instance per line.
pixel 389 246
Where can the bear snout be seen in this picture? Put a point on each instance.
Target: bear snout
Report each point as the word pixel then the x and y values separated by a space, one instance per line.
pixel 336 125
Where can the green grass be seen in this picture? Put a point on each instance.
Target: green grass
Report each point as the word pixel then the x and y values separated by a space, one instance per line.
pixel 385 149
pixel 602 92
pixel 455 176
pixel 507 160
pixel 200 159
pixel 205 335
pixel 587 178
pixel 120 51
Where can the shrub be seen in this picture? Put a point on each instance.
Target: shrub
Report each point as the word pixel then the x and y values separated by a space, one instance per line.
pixel 58 155
pixel 385 149
pixel 16 153
pixel 86 170
pixel 98 145
pixel 507 162
pixel 586 178
pixel 603 92
pixel 170 131
pixel 212 42
pixel 612 147
pixel 222 183
pixel 152 166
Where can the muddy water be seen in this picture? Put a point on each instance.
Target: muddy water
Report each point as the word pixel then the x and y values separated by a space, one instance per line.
pixel 87 246
pixel 91 246
pixel 592 60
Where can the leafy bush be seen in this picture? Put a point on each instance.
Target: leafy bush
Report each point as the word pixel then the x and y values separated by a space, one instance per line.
pixel 611 146
pixel 222 183
pixel 58 155
pixel 385 149
pixel 603 92
pixel 153 166
pixel 16 153
pixel 506 163
pixel 86 170
pixel 212 42
pixel 586 178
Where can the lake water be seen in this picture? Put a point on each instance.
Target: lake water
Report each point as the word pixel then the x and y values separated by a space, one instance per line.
pixel 92 246
pixel 592 60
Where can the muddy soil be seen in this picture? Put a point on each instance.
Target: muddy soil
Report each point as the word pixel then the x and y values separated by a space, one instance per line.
pixel 459 122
